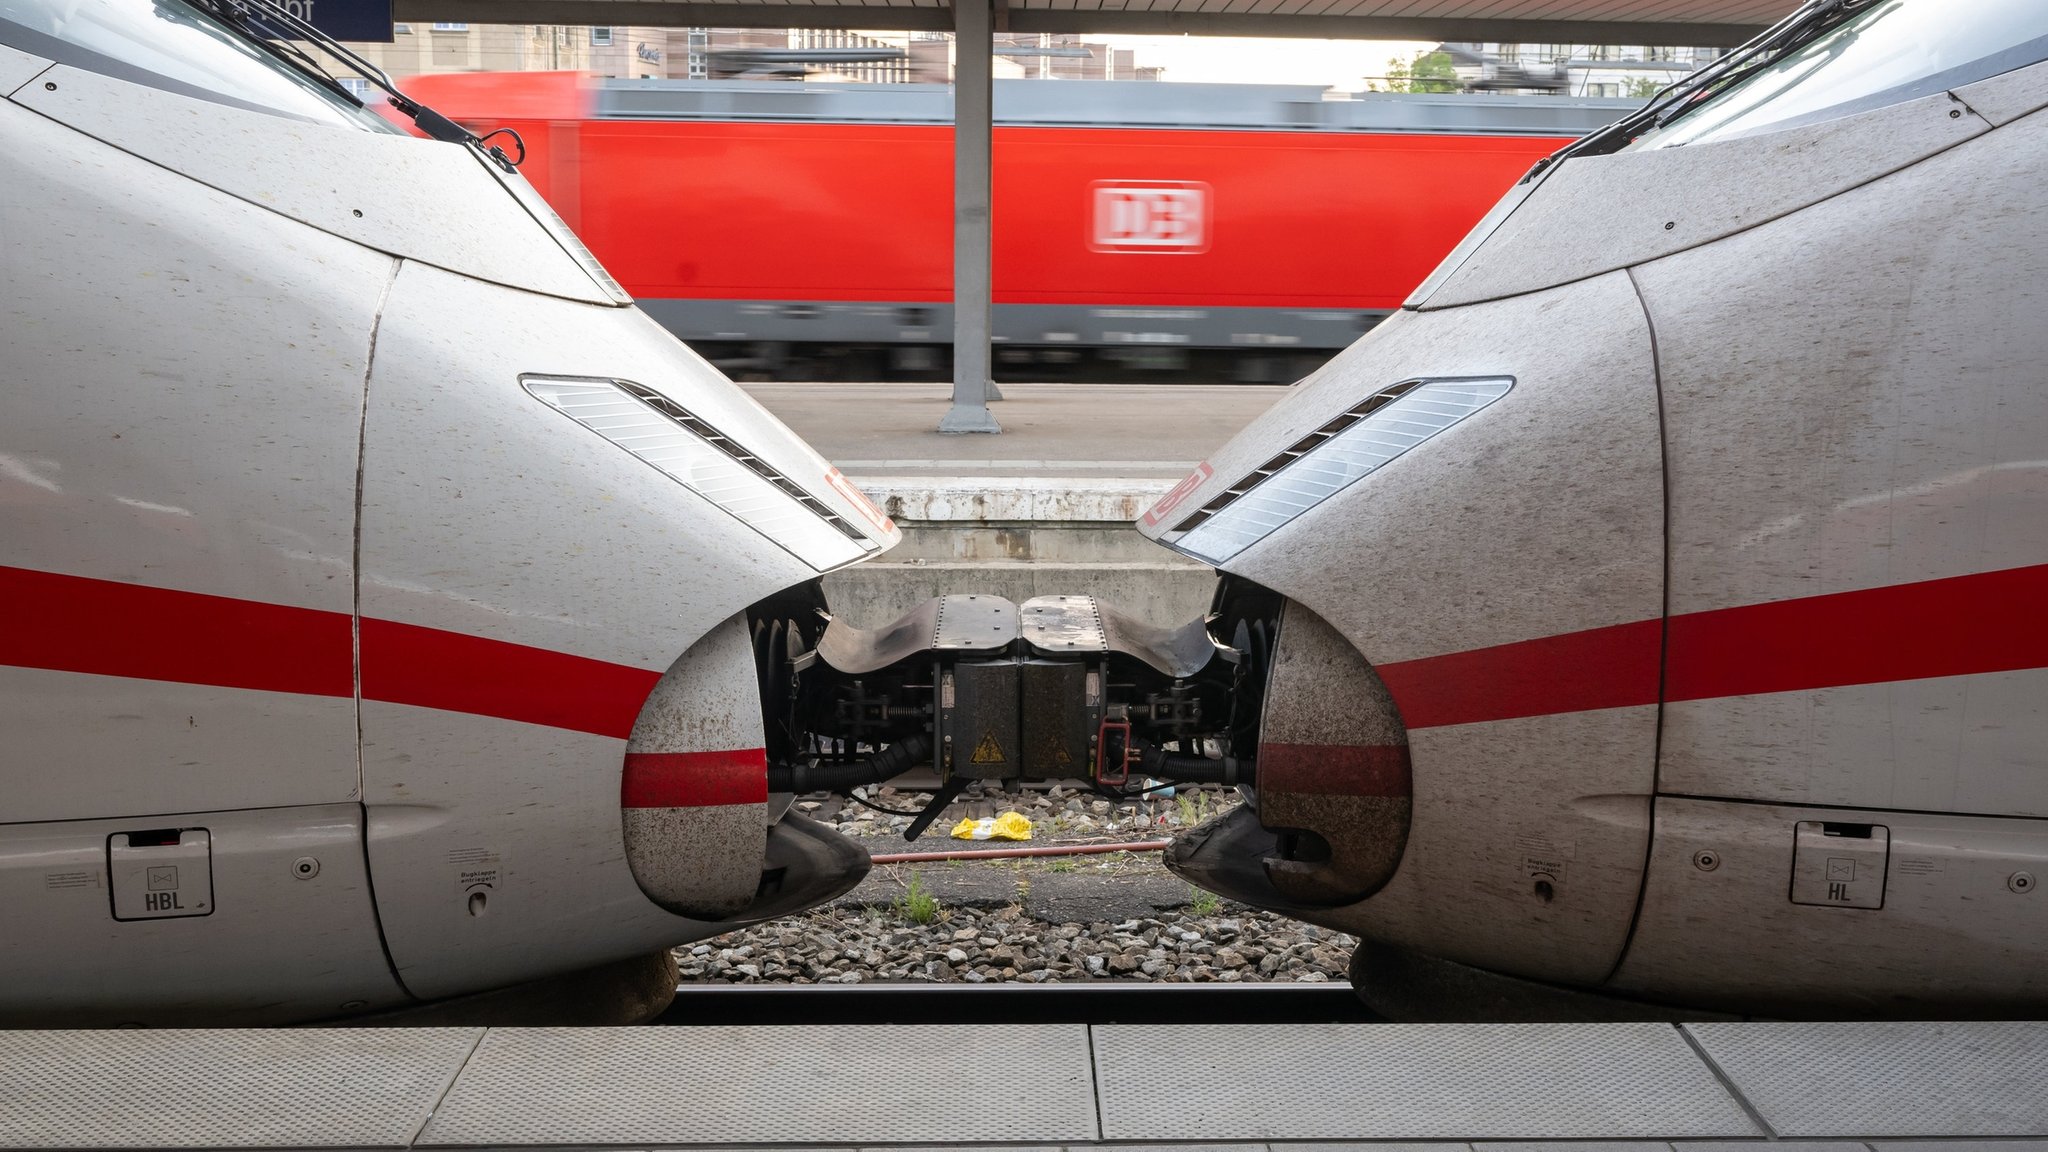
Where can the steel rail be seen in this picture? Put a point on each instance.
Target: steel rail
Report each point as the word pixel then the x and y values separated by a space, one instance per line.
pixel 1094 1002
pixel 1020 853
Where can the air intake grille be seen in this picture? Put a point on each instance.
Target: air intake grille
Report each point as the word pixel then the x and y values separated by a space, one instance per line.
pixel 1297 450
pixel 752 463
pixel 1357 443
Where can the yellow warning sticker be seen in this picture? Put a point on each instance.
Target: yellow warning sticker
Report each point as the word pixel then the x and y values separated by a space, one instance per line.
pixel 988 751
pixel 1062 757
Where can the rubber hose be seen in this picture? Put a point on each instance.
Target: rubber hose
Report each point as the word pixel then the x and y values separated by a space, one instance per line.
pixel 1163 765
pixel 894 760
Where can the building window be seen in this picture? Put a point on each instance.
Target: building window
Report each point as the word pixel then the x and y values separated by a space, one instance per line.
pixel 357 86
pixel 599 37
pixel 401 29
pixel 451 27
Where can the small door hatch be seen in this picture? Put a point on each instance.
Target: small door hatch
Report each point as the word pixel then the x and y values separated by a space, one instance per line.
pixel 1842 865
pixel 161 873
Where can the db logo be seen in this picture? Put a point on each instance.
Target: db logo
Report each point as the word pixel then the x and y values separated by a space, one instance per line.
pixel 1181 491
pixel 1149 216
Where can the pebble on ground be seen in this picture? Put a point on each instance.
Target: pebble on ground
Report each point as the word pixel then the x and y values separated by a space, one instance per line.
pixel 891 929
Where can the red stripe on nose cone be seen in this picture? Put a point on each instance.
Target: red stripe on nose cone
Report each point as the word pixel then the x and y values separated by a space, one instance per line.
pixel 694 779
pixel 1335 769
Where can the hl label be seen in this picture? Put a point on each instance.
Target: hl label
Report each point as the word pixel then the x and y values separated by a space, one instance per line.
pixel 1841 865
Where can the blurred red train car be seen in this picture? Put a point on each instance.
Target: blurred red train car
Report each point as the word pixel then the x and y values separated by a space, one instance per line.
pixel 805 230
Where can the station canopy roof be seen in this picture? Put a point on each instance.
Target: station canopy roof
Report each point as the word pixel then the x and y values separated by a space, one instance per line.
pixel 1653 22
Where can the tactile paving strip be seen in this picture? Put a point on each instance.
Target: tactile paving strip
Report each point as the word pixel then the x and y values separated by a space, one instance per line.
pixel 177 1088
pixel 839 1085
pixel 1408 1082
pixel 1888 1078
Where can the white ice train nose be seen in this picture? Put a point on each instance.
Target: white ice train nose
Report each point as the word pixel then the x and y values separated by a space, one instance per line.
pixel 568 479
pixel 511 527
pixel 1446 575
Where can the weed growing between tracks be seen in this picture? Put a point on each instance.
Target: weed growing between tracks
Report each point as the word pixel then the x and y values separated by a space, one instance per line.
pixel 917 904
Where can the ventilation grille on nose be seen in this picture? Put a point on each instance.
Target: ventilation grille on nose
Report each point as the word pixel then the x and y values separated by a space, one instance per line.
pixel 1297 450
pixel 752 463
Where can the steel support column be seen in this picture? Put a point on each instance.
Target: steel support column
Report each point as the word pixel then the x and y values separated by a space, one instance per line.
pixel 973 113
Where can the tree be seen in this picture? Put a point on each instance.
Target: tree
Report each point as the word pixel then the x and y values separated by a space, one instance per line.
pixel 1641 88
pixel 1427 72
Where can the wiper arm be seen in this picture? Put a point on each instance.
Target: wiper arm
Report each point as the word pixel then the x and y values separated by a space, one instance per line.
pixel 1690 93
pixel 252 18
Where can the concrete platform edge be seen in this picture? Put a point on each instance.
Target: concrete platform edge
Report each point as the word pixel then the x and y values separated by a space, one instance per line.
pixel 1026 1088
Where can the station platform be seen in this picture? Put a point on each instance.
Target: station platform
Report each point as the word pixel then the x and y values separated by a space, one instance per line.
pixel 1117 431
pixel 1044 508
pixel 1815 1087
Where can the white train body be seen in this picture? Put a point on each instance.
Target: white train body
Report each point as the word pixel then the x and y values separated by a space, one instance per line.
pixel 389 611
pixel 331 605
pixel 1708 659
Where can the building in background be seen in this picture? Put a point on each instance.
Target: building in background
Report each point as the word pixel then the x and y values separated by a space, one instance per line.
pixel 866 56
pixel 1625 70
pixel 815 55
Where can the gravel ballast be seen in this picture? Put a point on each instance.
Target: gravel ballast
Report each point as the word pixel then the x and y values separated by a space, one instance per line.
pixel 1113 917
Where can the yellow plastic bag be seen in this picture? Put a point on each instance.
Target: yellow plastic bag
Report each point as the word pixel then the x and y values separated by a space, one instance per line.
pixel 1008 826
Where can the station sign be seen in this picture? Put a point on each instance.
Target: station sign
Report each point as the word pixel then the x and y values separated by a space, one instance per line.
pixel 345 19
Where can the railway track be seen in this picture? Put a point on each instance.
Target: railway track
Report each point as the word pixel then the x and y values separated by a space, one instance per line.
pixel 700 1004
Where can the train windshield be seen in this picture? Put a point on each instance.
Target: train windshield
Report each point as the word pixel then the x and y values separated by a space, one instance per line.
pixel 1894 50
pixel 173 45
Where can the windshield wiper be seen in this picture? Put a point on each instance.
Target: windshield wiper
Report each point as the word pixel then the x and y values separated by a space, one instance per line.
pixel 273 28
pixel 1697 89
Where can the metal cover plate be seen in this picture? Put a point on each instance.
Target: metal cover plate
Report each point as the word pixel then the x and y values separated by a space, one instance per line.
pixel 1888 1078
pixel 831 1084
pixel 1057 624
pixel 186 1088
pixel 974 623
pixel 1408 1082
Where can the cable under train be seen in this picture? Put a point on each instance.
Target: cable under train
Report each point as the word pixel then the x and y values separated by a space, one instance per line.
pixel 1643 620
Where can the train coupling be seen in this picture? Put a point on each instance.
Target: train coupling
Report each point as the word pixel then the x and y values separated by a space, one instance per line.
pixel 982 689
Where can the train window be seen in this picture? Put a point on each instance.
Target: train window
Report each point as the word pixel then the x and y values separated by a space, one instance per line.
pixel 1895 50
pixel 176 46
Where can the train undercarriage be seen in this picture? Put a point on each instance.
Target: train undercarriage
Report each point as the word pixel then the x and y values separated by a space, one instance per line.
pixel 827 361
pixel 981 689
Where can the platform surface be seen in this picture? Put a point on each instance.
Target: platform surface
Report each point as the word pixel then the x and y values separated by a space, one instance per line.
pixel 1956 1087
pixel 1069 431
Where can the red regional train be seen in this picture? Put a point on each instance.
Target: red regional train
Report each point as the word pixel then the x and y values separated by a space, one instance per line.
pixel 1243 232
